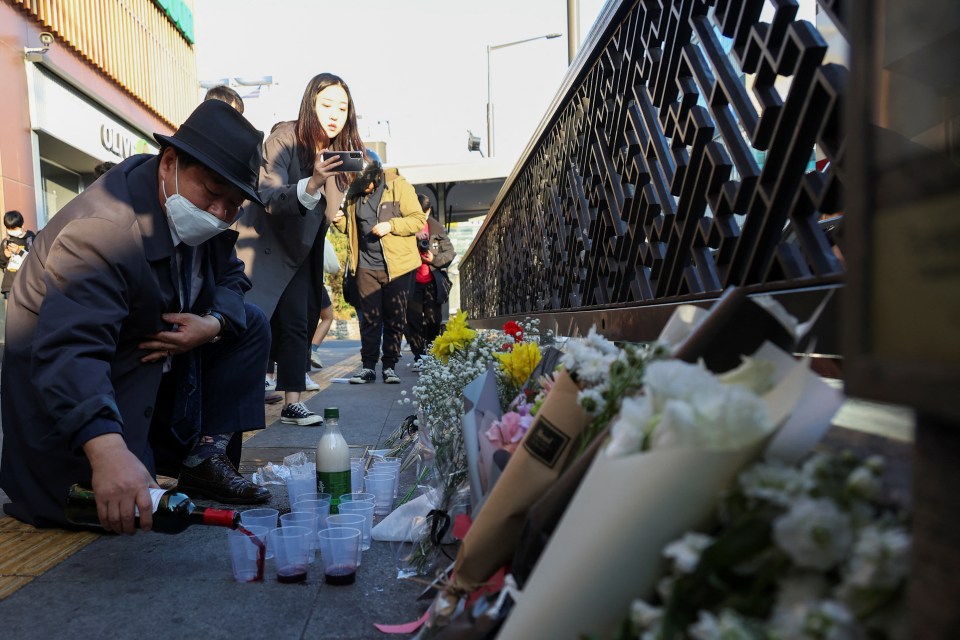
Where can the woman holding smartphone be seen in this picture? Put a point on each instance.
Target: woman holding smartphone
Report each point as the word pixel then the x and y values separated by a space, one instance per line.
pixel 299 189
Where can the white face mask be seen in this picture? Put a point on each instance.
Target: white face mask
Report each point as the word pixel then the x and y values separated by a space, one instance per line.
pixel 194 225
pixel 19 233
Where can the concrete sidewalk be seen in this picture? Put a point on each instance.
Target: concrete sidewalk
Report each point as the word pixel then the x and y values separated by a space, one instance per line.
pixel 180 586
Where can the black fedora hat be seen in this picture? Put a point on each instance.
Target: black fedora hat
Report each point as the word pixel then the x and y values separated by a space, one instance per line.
pixel 221 139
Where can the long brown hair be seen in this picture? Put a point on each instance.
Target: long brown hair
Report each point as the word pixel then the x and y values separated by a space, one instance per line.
pixel 311 136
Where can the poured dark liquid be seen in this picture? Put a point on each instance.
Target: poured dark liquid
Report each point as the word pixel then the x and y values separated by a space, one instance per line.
pixel 261 553
pixel 292 575
pixel 339 575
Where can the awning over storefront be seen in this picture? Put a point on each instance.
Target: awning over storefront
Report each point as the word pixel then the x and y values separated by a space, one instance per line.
pixel 459 191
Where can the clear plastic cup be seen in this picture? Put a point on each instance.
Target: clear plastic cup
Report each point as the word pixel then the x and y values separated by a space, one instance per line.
pixel 381 486
pixel 307 519
pixel 357 496
pixel 354 520
pixel 245 557
pixel 356 474
pixel 392 468
pixel 264 517
pixel 292 546
pixel 339 548
pixel 300 484
pixel 319 507
pixel 366 510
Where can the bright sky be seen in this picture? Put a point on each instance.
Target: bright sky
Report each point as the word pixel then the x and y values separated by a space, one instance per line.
pixel 417 69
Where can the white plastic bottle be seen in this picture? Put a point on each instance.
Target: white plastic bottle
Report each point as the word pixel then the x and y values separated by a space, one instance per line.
pixel 333 459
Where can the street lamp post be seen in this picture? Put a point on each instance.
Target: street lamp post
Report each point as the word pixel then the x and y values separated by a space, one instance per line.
pixel 490 48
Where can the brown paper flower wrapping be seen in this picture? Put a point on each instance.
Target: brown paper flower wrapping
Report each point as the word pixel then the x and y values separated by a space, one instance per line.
pixel 543 453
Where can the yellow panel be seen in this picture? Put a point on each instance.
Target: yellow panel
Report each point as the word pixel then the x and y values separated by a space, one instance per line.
pixel 33 553
pixel 12 524
pixel 27 552
pixel 9 584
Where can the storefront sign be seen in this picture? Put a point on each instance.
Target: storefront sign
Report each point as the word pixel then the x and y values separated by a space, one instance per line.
pixel 120 143
pixel 62 113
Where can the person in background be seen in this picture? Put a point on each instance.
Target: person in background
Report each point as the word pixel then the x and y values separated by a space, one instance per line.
pixel 431 286
pixel 299 190
pixel 131 347
pixel 13 248
pixel 381 216
pixel 225 94
pixel 102 168
pixel 320 306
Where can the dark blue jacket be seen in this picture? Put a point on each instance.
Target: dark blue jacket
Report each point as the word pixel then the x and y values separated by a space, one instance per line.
pixel 99 277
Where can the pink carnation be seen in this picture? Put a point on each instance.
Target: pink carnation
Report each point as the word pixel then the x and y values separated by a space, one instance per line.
pixel 509 430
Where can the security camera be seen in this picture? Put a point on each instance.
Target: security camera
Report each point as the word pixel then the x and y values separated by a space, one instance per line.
pixel 46 38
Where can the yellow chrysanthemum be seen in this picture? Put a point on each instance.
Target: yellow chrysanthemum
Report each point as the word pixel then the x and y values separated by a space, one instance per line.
pixel 457 336
pixel 519 363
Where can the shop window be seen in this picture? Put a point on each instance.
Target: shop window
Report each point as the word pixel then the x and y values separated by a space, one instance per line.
pixel 60 186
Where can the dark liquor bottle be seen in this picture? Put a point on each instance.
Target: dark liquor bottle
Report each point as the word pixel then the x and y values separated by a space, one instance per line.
pixel 172 511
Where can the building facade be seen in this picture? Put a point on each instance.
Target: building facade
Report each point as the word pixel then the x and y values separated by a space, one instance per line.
pixel 86 82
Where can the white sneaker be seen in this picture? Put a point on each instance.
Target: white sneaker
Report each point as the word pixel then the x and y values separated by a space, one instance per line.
pixel 269 384
pixel 315 359
pixel 297 413
pixel 309 384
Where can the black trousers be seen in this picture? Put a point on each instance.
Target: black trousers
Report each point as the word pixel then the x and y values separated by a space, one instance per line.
pixel 423 317
pixel 383 315
pixel 231 393
pixel 291 333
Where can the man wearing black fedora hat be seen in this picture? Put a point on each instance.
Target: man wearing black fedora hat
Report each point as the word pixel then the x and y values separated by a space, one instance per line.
pixel 130 347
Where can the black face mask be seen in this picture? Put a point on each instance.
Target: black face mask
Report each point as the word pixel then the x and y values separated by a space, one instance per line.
pixel 372 173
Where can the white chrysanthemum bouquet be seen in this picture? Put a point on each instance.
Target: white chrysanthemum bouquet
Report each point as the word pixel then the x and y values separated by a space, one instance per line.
pixel 799 553
pixel 673 448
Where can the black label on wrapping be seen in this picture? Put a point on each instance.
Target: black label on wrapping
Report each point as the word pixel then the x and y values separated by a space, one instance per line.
pixel 545 442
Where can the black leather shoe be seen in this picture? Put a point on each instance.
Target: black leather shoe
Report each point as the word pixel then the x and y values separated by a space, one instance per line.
pixel 217 479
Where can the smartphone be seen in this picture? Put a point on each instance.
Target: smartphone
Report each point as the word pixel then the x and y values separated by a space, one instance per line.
pixel 352 160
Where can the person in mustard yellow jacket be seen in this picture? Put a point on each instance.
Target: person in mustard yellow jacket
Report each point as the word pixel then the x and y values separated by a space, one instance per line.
pixel 381 216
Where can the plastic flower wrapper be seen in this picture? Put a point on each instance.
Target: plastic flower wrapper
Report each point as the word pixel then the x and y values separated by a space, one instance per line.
pixel 453 616
pixel 799 553
pixel 294 464
pixel 459 356
pixel 270 474
pixel 399 442
pixel 671 453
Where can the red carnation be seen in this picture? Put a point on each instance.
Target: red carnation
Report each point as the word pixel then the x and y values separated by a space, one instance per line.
pixel 515 330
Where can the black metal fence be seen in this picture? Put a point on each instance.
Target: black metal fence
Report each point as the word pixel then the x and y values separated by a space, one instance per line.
pixel 676 160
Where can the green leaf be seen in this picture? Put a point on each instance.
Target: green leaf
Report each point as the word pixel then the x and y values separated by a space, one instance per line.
pixel 711 582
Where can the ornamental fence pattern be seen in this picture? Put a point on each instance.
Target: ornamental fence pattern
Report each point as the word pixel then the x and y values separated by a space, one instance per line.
pixel 677 160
